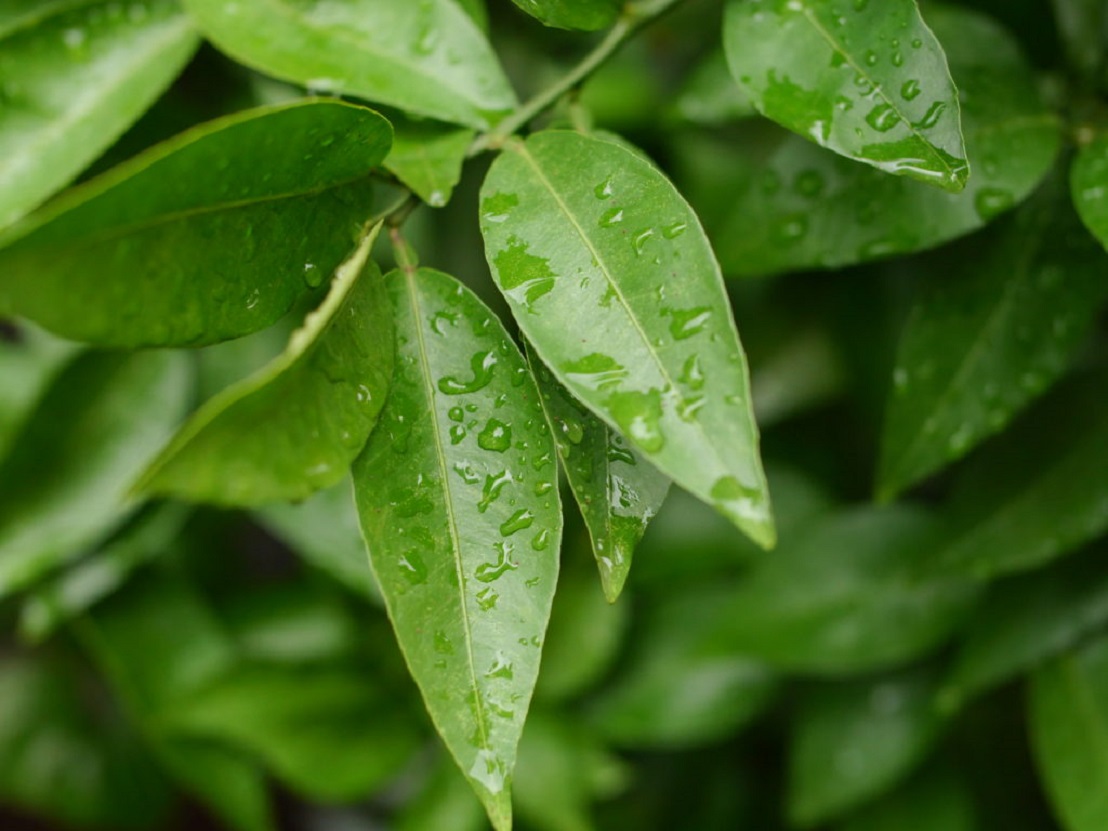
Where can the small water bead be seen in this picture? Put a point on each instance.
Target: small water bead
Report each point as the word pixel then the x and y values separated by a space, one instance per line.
pixel 611 217
pixel 932 116
pixel 674 229
pixel 541 540
pixel 497 436
pixel 520 520
pixel 456 414
pixel 457 434
pixel 413 568
pixel 604 189
pixel 910 90
pixel 466 471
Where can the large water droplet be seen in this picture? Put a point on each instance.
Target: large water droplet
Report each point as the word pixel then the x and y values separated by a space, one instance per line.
pixel 482 367
pixel 882 118
pixel 489 572
pixel 413 568
pixel 521 519
pixel 497 436
pixel 493 486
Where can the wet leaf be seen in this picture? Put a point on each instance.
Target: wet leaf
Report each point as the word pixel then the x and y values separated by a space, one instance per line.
pixel 1068 709
pixel 209 236
pixel 855 739
pixel 75 77
pixel 775 202
pixel 458 498
pixel 572 14
pixel 297 425
pixel 986 335
pixel 427 156
pixel 1089 187
pixel 428 58
pixel 866 79
pixel 64 485
pixel 616 488
pixel 583 235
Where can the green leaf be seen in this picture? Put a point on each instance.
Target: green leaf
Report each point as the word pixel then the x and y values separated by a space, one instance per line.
pixel 845 596
pixel 775 202
pixel 445 800
pixel 586 15
pixel 232 787
pixel 76 75
pixel 1083 26
pixel 457 493
pixel 1068 710
pixel 583 235
pixel 209 236
pixel 710 95
pixel 867 79
pixel 297 425
pixel 616 488
pixel 1089 187
pixel 64 485
pixel 939 799
pixel 853 740
pixel 1036 493
pixel 28 363
pixel 426 58
pixel 1024 621
pixel 987 334
pixel 427 156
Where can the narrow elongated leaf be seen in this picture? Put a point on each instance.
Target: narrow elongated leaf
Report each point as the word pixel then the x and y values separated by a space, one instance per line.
pixel 868 80
pixel 75 77
pixel 457 492
pixel 584 236
pixel 64 486
pixel 775 202
pixel 987 335
pixel 616 488
pixel 853 740
pixel 296 426
pixel 428 58
pixel 1036 493
pixel 1026 620
pixel 572 14
pixel 1089 187
pixel 427 156
pixel 209 236
pixel 1069 728
pixel 845 597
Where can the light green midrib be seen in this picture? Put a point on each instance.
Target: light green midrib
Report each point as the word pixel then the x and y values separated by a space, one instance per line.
pixel 452 523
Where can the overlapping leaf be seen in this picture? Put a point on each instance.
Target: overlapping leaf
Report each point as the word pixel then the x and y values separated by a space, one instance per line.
pixel 572 14
pixel 868 80
pixel 76 75
pixel 28 363
pixel 457 492
pixel 1089 187
pixel 583 235
pixel 209 236
pixel 428 58
pixel 939 798
pixel 427 156
pixel 296 426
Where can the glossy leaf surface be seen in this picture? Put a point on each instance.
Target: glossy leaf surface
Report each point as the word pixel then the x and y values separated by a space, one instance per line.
pixel 64 485
pixel 209 236
pixel 852 740
pixel 616 488
pixel 296 426
pixel 572 14
pixel 1089 187
pixel 457 493
pixel 987 334
pixel 866 79
pixel 428 58
pixel 775 202
pixel 582 233
pixel 1069 727
pixel 427 156
pixel 75 77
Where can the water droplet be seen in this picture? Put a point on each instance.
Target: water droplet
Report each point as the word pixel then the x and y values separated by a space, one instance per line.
pixel 413 568
pixel 910 90
pixel 493 486
pixel 604 189
pixel 790 229
pixel 457 434
pixel 640 239
pixel 541 540
pixel 596 371
pixel 489 572
pixel 570 428
pixel 481 365
pixel 521 519
pixel 543 488
pixel 882 118
pixel 456 414
pixel 497 436
pixel 443 645
pixel 871 58
pixel 989 202
pixel 486 599
pixel 809 183
pixel 610 217
pixel 313 277
pixel 436 199
pixel 692 375
pixel 932 116
pixel 684 323
pixel 466 471
pixel 897 58
pixel 639 415
pixel 674 229
pixel 364 395
pixel 501 668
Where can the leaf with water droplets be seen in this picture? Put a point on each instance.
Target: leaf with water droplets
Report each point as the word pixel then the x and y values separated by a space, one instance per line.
pixel 428 58
pixel 616 488
pixel 63 486
pixel 852 740
pixel 74 77
pixel 614 283
pixel 209 236
pixel 1089 187
pixel 457 492
pixel 866 79
pixel 427 156
pixel 295 426
pixel 586 15
pixel 988 333
pixel 1068 722
pixel 774 202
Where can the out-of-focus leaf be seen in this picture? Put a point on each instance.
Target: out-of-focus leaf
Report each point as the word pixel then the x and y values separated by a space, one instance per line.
pixel 572 14
pixel 444 801
pixel 209 236
pixel 1068 709
pixel 428 58
pixel 1089 187
pixel 584 236
pixel 75 77
pixel 938 799
pixel 458 499
pixel 616 488
pixel 774 202
pixel 1035 493
pixel 1083 25
pixel 64 485
pixel 477 10
pixel 232 787
pixel 868 80
pixel 427 156
pixel 853 740
pixel 711 96
pixel 847 597
pixel 1024 621
pixel 28 363
pixel 297 425
pixel 986 335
